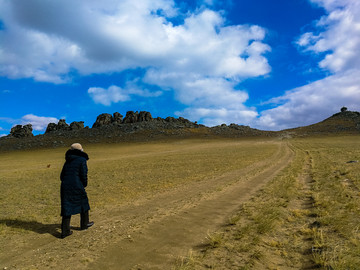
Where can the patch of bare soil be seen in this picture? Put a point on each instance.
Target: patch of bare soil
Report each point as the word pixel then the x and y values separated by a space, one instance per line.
pixel 151 233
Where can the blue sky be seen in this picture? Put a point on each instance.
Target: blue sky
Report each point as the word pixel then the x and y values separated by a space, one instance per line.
pixel 268 64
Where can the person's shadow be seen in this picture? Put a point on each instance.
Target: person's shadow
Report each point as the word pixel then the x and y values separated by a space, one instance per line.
pixel 53 229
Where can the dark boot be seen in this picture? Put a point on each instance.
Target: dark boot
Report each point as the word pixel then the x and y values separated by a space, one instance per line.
pixel 65 226
pixel 84 220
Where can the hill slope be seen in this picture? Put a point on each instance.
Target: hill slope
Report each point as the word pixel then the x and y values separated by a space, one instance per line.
pixel 134 128
pixel 342 122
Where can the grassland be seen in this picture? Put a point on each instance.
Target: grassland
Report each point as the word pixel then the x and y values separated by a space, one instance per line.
pixel 305 215
pixel 306 218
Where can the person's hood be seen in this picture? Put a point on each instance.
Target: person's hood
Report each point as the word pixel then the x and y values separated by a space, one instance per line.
pixel 74 153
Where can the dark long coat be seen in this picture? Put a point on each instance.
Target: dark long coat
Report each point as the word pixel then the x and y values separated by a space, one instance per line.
pixel 73 177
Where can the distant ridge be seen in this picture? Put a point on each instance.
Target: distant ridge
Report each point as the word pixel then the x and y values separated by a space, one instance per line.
pixel 135 126
pixel 141 126
pixel 342 122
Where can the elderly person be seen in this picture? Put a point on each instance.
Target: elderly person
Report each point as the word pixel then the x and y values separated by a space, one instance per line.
pixel 74 199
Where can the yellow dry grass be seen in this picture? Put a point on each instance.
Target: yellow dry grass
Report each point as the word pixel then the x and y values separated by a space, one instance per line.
pixel 308 217
pixel 118 173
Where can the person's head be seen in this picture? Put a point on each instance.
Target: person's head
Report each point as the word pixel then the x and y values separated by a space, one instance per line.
pixel 76 146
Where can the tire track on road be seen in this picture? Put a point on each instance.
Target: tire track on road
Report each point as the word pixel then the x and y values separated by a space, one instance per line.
pixel 158 244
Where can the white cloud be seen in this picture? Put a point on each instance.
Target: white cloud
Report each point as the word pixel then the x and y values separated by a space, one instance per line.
pixel 216 116
pixel 108 96
pixel 212 101
pixel 313 102
pixel 116 94
pixel 38 123
pixel 113 36
pixel 106 36
pixel 337 36
pixel 340 38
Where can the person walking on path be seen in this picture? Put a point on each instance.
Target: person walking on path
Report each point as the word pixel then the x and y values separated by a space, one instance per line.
pixel 74 180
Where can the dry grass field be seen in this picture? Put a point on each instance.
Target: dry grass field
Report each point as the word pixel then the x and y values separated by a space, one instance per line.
pixel 189 204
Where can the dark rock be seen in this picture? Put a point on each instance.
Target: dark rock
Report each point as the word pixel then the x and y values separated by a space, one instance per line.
pixel 51 127
pixel 144 117
pixel 131 117
pixel 20 131
pixel 117 118
pixel 61 125
pixel 170 119
pixel 77 125
pixel 103 120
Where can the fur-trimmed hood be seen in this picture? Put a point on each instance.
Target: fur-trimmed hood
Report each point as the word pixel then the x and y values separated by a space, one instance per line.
pixel 73 153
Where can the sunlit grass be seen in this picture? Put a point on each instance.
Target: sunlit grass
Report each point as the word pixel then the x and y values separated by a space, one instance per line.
pixel 289 217
pixel 337 200
pixel 118 173
pixel 273 224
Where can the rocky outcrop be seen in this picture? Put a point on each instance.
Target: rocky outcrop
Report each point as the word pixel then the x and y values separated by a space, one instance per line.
pixel 106 119
pixel 51 127
pixel 131 117
pixel 20 131
pixel 135 117
pixel 144 117
pixel 77 125
pixel 345 114
pixel 117 118
pixel 63 126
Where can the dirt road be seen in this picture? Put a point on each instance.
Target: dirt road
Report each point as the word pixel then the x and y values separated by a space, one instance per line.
pixel 151 233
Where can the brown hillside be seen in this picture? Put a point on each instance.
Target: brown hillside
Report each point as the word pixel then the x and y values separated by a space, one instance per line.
pixel 342 122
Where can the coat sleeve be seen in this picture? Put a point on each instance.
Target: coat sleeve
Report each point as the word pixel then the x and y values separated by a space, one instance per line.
pixel 62 174
pixel 83 173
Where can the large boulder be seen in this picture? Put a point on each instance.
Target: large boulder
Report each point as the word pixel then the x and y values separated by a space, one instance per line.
pixel 20 131
pixel 103 120
pixel 61 125
pixel 106 119
pixel 134 117
pixel 51 128
pixel 131 117
pixel 77 125
pixel 117 118
pixel 144 117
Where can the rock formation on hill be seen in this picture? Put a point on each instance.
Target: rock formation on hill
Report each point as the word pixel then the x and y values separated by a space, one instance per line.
pixel 20 131
pixel 116 119
pixel 107 119
pixel 141 126
pixel 63 126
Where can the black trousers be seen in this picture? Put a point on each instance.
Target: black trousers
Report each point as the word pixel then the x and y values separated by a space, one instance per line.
pixel 65 224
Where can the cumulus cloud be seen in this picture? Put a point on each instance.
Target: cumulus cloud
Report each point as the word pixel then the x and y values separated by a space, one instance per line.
pixel 106 36
pixel 113 36
pixel 337 38
pixel 211 101
pixel 340 40
pixel 313 102
pixel 39 123
pixel 216 116
pixel 116 94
